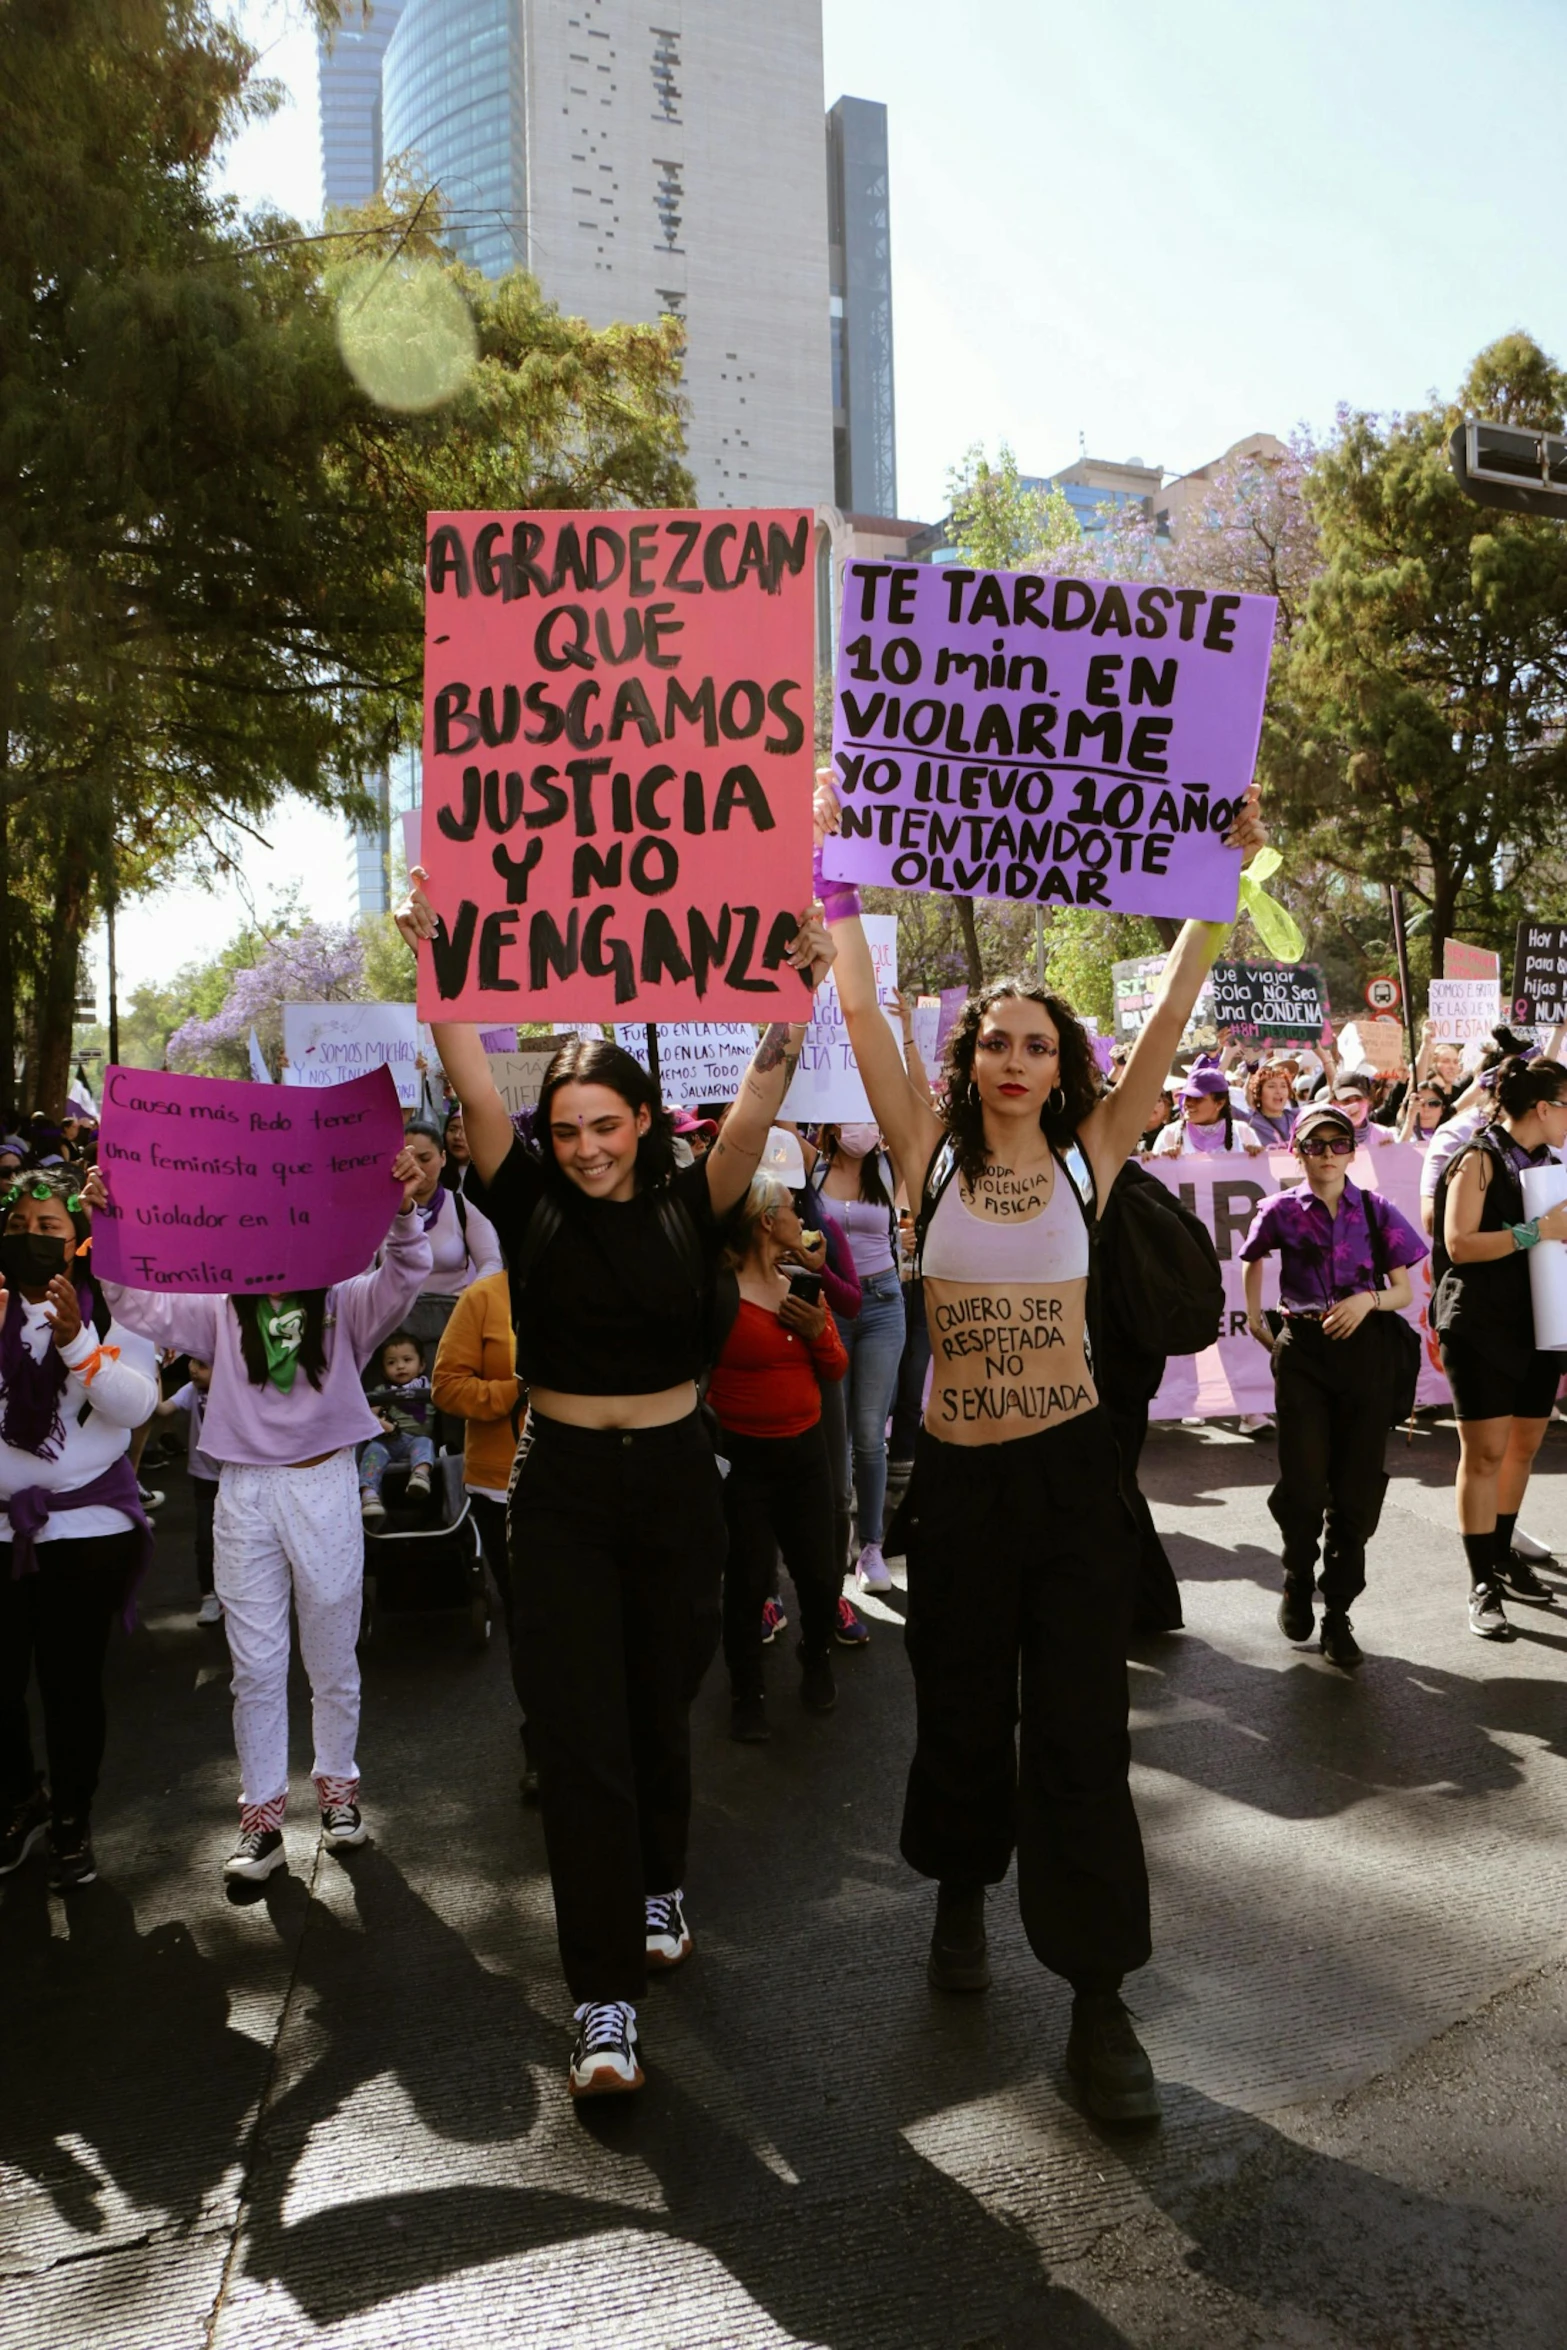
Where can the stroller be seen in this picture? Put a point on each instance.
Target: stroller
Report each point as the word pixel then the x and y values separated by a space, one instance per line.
pixel 425 1559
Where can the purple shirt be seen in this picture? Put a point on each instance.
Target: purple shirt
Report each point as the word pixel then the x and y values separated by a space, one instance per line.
pixel 1323 1258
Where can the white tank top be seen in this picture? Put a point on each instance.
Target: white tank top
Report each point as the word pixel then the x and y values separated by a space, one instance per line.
pixel 960 1246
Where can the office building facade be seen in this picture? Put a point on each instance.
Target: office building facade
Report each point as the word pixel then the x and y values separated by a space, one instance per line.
pixel 350 80
pixel 859 258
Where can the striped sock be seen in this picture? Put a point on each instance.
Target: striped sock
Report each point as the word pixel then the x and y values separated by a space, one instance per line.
pixel 258 1818
pixel 330 1790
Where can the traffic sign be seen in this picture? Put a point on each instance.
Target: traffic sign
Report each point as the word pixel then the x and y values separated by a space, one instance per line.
pixel 1383 994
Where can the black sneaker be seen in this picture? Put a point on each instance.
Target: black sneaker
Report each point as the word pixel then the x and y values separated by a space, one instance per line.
pixel 24 1829
pixel 668 1935
pixel 258 1852
pixel 1487 1618
pixel 818 1689
pixel 959 1959
pixel 1520 1581
pixel 71 1861
pixel 1108 2062
pixel 748 1721
pixel 342 1823
pixel 1297 1618
pixel 1339 1644
pixel 604 2060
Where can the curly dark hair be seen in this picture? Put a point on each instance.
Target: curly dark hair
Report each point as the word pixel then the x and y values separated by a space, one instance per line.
pixel 1079 1079
pixel 590 1061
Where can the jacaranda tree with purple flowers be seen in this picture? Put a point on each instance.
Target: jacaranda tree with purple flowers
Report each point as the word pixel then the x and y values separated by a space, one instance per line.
pixel 323 963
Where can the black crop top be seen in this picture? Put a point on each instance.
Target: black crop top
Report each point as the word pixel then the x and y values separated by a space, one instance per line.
pixel 608 1308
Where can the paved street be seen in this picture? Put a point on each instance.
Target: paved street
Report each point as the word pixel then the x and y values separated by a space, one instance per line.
pixel 337 2115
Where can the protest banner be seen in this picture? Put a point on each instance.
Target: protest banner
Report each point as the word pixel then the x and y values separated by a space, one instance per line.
pixel 327 1044
pixel 952 1001
pixel 618 764
pixel 1463 1011
pixel 698 1061
pixel 1270 1003
pixel 1135 985
pixel 222 1186
pixel 826 1087
pixel 1371 1044
pixel 927 1026
pixel 1461 962
pixel 518 1076
pixel 498 1040
pixel 1008 735
pixel 1223 1190
pixel 1540 975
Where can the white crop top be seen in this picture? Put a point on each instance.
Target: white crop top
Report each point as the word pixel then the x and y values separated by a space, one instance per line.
pixel 960 1246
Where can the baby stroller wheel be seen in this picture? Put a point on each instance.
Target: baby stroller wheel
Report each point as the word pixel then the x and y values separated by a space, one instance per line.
pixel 479 1620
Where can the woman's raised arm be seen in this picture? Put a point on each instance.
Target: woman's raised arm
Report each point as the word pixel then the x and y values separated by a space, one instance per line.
pixel 486 1119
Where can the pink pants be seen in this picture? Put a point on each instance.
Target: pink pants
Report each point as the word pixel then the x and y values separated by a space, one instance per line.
pixel 281 1534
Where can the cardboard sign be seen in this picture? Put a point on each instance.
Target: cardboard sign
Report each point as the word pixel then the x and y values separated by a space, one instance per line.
pixel 1463 1011
pixel 1540 974
pixel 519 1076
pixel 1224 1192
pixel 827 1087
pixel 1277 1003
pixel 617 764
pixel 1461 962
pixel 221 1186
pixel 698 1061
pixel 1372 1044
pixel 1135 983
pixel 327 1044
pixel 1064 741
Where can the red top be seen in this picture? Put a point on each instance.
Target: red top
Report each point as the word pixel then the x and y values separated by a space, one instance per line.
pixel 768 1379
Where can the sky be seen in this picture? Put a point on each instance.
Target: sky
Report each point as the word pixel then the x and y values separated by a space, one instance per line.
pixel 1142 228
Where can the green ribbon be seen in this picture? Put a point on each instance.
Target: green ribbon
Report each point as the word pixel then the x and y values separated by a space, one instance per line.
pixel 1274 924
pixel 281 1322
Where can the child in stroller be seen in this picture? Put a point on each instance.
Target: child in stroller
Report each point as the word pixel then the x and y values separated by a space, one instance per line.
pixel 402 1404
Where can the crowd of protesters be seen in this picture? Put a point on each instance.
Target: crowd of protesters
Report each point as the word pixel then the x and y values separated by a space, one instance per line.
pixel 694 1364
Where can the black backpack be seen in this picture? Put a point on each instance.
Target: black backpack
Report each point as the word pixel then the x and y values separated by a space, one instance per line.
pixel 1163 1291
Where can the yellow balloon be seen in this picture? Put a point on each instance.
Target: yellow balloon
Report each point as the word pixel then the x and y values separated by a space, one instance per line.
pixel 405 332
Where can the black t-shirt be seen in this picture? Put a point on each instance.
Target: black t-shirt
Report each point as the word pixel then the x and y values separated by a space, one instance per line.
pixel 608 1308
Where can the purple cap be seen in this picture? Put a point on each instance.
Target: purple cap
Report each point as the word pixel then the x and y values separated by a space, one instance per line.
pixel 1204 1077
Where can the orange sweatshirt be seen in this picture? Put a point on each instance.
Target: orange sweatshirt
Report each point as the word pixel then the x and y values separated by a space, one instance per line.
pixel 475 1379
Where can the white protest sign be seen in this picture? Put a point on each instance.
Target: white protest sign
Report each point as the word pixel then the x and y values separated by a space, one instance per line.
pixel 326 1044
pixel 827 1088
pixel 698 1060
pixel 1464 1011
pixel 927 1023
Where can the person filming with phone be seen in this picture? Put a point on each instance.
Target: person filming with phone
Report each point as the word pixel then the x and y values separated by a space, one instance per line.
pixel 766 1394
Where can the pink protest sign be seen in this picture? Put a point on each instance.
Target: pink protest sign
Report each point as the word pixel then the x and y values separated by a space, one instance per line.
pixel 218 1186
pixel 1464 962
pixel 1067 741
pixel 618 765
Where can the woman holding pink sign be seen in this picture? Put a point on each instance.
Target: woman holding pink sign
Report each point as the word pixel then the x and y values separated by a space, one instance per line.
pixel 285 1414
pixel 1016 1494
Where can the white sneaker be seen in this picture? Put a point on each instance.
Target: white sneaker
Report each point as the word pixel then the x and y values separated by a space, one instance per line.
pixel 668 1935
pixel 210 1610
pixel 1250 1422
pixel 419 1484
pixel 870 1569
pixel 605 2058
pixel 372 1508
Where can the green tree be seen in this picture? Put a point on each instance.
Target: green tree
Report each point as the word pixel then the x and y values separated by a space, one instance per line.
pixel 1420 725
pixel 998 523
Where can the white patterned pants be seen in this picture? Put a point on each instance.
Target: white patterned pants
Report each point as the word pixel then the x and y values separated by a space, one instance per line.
pixel 281 1533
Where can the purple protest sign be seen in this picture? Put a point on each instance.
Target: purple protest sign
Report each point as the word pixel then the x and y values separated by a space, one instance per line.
pixel 1003 734
pixel 217 1186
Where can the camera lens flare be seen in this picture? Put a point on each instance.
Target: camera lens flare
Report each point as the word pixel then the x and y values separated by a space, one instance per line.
pixel 406 334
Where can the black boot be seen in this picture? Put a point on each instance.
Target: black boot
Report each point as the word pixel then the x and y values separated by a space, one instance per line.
pixel 1297 1618
pixel 818 1689
pixel 1108 2062
pixel 748 1719
pixel 958 1958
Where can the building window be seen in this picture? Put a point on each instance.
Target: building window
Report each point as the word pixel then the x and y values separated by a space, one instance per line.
pixel 666 68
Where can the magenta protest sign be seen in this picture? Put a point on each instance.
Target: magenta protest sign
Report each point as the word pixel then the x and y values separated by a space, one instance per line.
pixel 217 1186
pixel 1079 742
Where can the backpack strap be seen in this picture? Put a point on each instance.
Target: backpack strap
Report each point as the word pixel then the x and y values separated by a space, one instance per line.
pixel 1075 1166
pixel 943 1166
pixel 538 1232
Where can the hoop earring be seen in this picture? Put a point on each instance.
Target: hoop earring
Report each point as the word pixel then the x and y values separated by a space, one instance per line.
pixel 1055 1102
pixel 972 1096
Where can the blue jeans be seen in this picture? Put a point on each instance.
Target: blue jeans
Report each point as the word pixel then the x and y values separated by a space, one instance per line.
pixel 875 1347
pixel 393 1452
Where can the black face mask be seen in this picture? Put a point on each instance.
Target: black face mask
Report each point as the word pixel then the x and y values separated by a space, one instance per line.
pixel 30 1260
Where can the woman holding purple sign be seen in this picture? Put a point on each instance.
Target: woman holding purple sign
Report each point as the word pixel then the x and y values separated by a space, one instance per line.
pixel 73 1385
pixel 285 1414
pixel 1016 1498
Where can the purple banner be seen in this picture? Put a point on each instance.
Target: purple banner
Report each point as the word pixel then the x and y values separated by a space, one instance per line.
pixel 1076 742
pixel 218 1186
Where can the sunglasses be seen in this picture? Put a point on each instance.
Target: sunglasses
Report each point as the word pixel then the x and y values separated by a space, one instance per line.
pixel 1336 1146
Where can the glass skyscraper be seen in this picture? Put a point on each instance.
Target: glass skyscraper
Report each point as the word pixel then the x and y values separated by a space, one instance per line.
pixel 452 106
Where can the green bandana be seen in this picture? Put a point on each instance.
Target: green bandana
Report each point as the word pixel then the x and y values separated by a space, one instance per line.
pixel 281 1322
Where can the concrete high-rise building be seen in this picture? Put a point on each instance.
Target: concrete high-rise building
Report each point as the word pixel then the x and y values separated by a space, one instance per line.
pixel 859 256
pixel 350 67
pixel 636 167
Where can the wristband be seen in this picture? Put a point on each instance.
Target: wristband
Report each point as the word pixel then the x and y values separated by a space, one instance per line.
pixel 1525 1235
pixel 840 899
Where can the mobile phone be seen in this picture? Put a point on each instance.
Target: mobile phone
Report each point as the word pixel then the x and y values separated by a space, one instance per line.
pixel 807 1287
